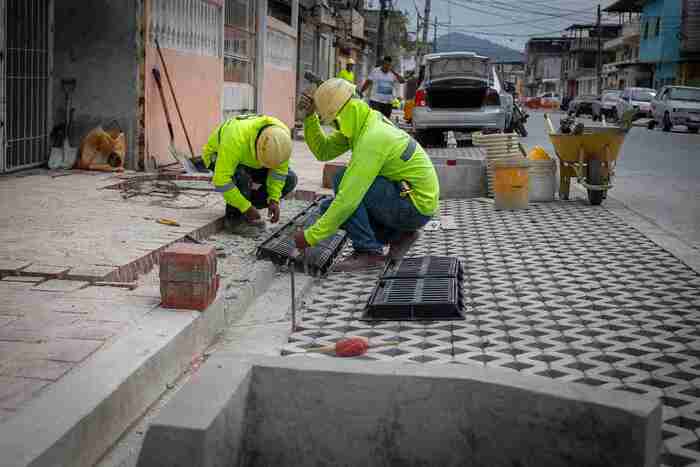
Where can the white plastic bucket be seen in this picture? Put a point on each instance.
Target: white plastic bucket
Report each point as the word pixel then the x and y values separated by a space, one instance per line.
pixel 542 180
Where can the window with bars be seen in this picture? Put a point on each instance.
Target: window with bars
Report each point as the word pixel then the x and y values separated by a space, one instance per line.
pixel 192 26
pixel 239 41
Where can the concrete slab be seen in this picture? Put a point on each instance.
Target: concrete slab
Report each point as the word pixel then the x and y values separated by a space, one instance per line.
pixel 37 369
pixel 243 410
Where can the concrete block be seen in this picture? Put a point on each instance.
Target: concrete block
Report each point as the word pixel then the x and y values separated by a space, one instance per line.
pixel 304 411
pixel 460 178
pixel 56 285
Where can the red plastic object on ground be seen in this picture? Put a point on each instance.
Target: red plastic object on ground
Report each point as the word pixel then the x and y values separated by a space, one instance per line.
pixel 188 278
pixel 348 347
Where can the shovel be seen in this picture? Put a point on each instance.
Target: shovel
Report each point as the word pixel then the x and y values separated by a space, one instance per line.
pixel 65 157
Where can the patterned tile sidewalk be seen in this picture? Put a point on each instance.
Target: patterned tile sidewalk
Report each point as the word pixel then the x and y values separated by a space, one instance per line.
pixel 563 290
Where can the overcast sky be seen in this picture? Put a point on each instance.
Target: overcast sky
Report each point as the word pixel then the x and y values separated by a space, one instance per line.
pixel 505 22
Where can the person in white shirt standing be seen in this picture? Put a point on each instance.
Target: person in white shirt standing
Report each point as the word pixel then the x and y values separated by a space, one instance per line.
pixel 382 80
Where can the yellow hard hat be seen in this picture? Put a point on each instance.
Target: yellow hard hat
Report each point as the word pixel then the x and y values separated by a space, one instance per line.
pixel 351 61
pixel 538 154
pixel 331 96
pixel 274 146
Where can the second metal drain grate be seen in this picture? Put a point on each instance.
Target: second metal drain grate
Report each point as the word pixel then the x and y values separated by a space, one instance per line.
pixel 423 288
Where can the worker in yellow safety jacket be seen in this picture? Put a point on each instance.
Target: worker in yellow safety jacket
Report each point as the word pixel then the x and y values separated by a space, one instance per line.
pixel 250 154
pixel 390 188
pixel 347 74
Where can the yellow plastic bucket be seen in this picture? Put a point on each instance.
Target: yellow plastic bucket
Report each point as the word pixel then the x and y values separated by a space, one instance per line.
pixel 511 181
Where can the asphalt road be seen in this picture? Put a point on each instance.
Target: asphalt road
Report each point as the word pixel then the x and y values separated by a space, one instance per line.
pixel 658 176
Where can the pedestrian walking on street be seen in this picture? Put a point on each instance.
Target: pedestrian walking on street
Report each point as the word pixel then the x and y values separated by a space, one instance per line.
pixel 381 81
pixel 388 191
pixel 347 74
pixel 250 154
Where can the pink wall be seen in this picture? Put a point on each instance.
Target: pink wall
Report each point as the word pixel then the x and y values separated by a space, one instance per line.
pixel 279 83
pixel 198 82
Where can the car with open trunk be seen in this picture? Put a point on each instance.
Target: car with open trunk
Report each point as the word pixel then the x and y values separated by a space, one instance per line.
pixel 456 94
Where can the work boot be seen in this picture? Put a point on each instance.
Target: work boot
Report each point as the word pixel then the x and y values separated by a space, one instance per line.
pixel 360 261
pixel 399 248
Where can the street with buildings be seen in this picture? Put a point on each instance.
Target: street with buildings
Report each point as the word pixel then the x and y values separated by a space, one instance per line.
pixel 194 273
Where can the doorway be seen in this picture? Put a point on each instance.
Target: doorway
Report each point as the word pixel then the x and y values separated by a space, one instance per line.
pixel 25 83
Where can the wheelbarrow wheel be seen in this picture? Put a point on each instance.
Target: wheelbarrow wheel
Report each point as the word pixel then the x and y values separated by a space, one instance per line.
pixel 594 176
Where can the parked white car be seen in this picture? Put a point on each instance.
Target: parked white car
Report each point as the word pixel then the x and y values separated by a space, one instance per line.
pixel 638 99
pixel 677 105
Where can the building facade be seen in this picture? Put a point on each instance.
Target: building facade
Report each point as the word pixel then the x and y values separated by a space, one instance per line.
pixel 543 65
pixel 579 63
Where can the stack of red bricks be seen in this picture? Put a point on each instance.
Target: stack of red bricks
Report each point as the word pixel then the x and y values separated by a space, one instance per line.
pixel 188 278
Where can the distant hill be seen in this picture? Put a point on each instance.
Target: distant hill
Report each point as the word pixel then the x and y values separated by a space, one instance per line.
pixel 458 42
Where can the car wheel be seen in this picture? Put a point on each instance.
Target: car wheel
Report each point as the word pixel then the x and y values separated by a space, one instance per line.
pixel 668 126
pixel 651 124
pixel 693 130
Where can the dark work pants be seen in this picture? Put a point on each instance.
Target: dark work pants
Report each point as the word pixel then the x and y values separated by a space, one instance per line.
pixel 385 109
pixel 246 176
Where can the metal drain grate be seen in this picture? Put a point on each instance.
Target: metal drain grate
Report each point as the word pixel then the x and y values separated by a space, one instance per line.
pixel 280 245
pixel 424 266
pixel 411 299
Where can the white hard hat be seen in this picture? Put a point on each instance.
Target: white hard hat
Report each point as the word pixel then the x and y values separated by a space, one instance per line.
pixel 351 61
pixel 331 96
pixel 274 146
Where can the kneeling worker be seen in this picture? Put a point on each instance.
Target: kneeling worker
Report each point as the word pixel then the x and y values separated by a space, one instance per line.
pixel 251 156
pixel 388 191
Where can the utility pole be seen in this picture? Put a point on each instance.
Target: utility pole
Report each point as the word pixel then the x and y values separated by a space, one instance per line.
pixel 417 36
pixel 380 30
pixel 435 35
pixel 599 62
pixel 426 22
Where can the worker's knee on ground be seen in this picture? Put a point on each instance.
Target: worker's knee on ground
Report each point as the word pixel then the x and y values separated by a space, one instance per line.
pixel 338 178
pixel 290 183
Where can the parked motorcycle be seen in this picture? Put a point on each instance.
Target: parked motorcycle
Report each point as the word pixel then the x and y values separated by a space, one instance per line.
pixel 520 116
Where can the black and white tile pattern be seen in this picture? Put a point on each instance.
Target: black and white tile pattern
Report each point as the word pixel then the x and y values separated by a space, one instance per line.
pixel 562 290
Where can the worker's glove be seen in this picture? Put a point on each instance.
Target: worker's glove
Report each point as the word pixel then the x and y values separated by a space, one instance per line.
pixel 306 102
pixel 273 211
pixel 300 241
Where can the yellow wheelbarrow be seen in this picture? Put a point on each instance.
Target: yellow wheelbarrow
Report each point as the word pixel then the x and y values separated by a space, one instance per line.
pixel 590 157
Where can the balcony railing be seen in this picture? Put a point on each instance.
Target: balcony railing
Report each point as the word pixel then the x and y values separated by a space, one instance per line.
pixel 584 43
pixel 631 30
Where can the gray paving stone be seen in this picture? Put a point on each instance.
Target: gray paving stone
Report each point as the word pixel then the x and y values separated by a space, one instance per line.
pixel 47 270
pixel 25 279
pixel 12 265
pixel 68 350
pixel 15 391
pixel 91 330
pixel 56 285
pixel 37 368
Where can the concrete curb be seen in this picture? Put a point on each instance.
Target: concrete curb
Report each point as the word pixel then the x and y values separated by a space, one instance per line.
pixel 79 419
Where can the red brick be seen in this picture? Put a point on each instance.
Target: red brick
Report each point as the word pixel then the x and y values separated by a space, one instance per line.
pixel 188 278
pixel 187 262
pixel 329 171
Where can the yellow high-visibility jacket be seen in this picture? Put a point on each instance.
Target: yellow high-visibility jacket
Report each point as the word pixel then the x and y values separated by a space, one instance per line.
pixel 234 143
pixel 378 149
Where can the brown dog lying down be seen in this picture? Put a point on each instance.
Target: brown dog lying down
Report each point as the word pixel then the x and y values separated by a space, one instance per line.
pixel 102 150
